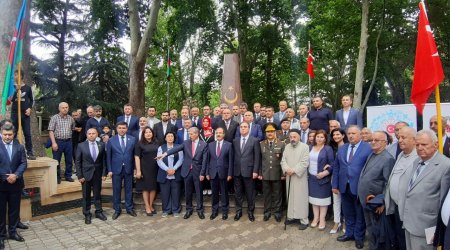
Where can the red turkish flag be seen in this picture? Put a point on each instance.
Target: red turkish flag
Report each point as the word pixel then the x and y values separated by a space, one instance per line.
pixel 428 73
pixel 310 67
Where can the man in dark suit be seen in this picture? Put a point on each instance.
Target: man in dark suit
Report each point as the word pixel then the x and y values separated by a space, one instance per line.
pixel 194 157
pixel 428 185
pixel 247 159
pixel 143 123
pixel 130 119
pixel 13 163
pixel 98 121
pixel 229 125
pixel 347 115
pixel 373 180
pixel 184 117
pixel 257 111
pixel 120 163
pixel 90 162
pixel 269 118
pixel 255 129
pixel 183 133
pixel 350 160
pixel 161 128
pixel 218 169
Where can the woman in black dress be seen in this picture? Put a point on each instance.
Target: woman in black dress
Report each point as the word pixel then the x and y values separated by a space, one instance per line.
pixel 146 168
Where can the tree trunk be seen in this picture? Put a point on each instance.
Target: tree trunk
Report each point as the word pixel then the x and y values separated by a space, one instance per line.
pixel 359 79
pixel 62 86
pixel 9 11
pixel 138 53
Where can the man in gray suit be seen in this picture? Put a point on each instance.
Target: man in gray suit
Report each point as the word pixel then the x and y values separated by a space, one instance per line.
pixel 397 186
pixel 428 184
pixel 373 179
pixel 247 157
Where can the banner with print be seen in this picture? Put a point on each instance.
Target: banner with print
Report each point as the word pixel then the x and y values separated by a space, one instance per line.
pixel 430 110
pixel 384 117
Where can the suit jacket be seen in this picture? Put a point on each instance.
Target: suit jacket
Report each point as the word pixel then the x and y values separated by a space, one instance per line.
pixel 256 132
pixel 263 122
pixel 116 159
pixel 17 165
pixel 375 175
pixel 218 165
pixel 349 172
pixel 133 124
pixel 196 161
pixel 403 187
pixel 84 163
pixel 180 136
pixel 231 131
pixel 428 191
pixel 198 123
pixel 159 131
pixel 326 156
pixel 447 147
pixel 93 123
pixel 247 160
pixel 179 123
pixel 278 116
pixel 354 118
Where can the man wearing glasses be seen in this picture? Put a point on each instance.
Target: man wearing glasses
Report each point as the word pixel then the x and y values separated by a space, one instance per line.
pixel 374 176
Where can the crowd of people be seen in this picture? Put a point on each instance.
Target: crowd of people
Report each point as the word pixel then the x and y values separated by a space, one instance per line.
pixel 392 193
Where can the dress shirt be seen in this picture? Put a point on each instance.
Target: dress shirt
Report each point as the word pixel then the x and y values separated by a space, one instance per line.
pixel 345 114
pixel 445 212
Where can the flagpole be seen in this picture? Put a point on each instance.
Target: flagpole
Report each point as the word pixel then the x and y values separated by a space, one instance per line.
pixel 168 79
pixel 19 111
pixel 309 82
pixel 439 119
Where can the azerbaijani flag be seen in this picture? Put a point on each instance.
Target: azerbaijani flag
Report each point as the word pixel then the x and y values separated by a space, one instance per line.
pixel 15 56
pixel 168 65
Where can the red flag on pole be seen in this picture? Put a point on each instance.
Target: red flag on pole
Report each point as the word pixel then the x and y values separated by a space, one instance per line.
pixel 428 73
pixel 310 67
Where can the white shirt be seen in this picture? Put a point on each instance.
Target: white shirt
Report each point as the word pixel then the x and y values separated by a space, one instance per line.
pixel 345 114
pixel 445 213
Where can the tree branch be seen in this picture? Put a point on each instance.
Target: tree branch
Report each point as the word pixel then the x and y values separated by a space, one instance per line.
pixel 149 31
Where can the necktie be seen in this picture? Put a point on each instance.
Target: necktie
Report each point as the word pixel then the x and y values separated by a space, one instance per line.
pixel 303 136
pixel 243 144
pixel 350 156
pixel 193 149
pixel 122 143
pixel 126 120
pixel 416 174
pixel 94 151
pixel 269 120
pixel 9 149
pixel 218 149
pixel 270 145
pixel 285 132
pixel 228 124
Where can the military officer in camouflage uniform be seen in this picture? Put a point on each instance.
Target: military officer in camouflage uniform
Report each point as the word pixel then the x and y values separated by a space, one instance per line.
pixel 271 173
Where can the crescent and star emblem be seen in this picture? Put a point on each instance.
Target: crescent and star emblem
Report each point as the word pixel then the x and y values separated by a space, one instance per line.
pixel 233 100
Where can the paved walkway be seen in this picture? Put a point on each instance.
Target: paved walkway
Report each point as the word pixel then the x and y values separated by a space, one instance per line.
pixel 142 232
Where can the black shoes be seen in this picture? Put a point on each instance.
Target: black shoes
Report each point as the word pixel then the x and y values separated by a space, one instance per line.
pixel 132 213
pixel 115 216
pixel 17 237
pixel 69 179
pixel 100 216
pixel 88 219
pixel 251 217
pixel 213 216
pixel 58 180
pixel 302 226
pixel 266 217
pixel 278 217
pixel 344 238
pixel 201 215
pixel 187 215
pixel 359 244
pixel 237 216
pixel 224 216
pixel 20 225
pixel 290 221
pixel 2 245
